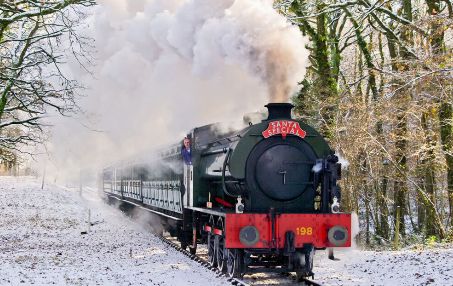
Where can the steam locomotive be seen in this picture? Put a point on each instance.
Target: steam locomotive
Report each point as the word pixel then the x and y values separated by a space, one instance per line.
pixel 262 198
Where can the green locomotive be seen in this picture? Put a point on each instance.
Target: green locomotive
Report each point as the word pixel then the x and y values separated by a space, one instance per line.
pixel 262 196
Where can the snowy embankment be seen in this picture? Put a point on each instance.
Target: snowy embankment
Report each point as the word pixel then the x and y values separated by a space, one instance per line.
pixel 41 242
pixel 390 268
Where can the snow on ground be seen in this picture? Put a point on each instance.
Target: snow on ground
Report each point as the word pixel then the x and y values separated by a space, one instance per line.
pixel 41 243
pixel 405 267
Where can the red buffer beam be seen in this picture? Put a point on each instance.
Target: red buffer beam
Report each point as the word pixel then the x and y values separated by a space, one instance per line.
pixel 255 230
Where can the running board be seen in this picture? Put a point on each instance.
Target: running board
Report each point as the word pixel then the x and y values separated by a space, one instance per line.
pixel 144 208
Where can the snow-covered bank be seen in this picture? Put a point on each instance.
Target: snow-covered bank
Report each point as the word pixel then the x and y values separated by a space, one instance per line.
pixel 405 267
pixel 41 243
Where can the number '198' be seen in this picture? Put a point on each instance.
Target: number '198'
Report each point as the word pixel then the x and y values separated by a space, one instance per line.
pixel 304 230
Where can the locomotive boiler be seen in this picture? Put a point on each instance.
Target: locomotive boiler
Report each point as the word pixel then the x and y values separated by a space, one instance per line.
pixel 262 197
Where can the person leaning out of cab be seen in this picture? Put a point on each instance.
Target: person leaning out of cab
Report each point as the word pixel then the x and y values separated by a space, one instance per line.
pixel 186 153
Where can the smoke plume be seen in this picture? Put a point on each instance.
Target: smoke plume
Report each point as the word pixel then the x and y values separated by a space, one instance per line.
pixel 166 66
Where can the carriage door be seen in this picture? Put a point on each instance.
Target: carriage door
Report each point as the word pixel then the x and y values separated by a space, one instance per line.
pixel 188 184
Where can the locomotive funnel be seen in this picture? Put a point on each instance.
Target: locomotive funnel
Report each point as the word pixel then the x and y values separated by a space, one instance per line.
pixel 279 110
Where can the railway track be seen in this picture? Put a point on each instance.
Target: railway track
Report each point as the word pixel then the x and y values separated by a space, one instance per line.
pixel 234 281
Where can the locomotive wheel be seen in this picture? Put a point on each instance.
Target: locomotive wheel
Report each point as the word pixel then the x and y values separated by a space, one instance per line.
pixel 181 237
pixel 235 263
pixel 212 250
pixel 220 247
pixel 301 274
pixel 193 250
pixel 221 253
pixel 305 265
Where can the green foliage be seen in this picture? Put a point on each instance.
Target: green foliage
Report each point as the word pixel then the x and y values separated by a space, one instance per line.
pixel 301 101
pixel 431 240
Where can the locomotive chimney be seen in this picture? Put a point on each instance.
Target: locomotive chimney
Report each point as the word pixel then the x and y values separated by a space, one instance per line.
pixel 279 110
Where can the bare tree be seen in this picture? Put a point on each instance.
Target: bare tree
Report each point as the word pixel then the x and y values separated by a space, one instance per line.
pixel 35 39
pixel 386 75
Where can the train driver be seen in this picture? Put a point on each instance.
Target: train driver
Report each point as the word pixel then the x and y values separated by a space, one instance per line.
pixel 186 153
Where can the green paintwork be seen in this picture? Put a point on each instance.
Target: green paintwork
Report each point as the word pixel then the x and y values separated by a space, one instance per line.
pixel 205 177
pixel 253 136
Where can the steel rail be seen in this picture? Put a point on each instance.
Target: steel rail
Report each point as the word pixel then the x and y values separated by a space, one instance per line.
pixel 194 257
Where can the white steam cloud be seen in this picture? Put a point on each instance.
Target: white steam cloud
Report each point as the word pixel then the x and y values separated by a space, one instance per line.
pixel 166 66
pixel 343 161
pixel 317 167
pixel 204 36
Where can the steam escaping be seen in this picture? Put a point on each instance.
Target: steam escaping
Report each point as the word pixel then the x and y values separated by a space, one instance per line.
pixel 355 229
pixel 164 67
pixel 343 161
pixel 255 117
pixel 317 167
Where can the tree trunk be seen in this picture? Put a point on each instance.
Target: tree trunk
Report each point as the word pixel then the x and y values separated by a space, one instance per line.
pixel 429 175
pixel 401 125
pixel 445 109
pixel 384 212
pixel 367 212
pixel 400 186
pixel 325 83
pixel 421 214
pixel 446 135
